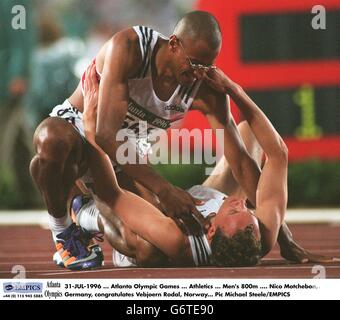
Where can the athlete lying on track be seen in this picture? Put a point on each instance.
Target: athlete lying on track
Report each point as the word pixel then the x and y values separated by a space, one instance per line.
pixel 233 235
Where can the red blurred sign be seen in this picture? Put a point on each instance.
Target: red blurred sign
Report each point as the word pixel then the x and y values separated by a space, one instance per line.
pixel 270 75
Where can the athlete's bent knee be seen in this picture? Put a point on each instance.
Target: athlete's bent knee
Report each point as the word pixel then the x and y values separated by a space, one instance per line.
pixel 54 139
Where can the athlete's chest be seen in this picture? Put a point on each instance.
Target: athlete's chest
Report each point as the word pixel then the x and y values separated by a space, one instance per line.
pixel 146 105
pixel 163 88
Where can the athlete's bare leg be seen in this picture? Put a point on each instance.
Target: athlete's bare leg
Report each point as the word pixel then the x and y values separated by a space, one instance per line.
pixel 59 161
pixel 225 181
pixel 122 239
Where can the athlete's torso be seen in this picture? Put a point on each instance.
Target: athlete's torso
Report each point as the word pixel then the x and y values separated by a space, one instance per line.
pixel 146 111
pixel 199 246
pixel 196 248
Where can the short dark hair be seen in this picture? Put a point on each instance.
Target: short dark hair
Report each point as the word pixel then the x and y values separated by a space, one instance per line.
pixel 200 25
pixel 240 250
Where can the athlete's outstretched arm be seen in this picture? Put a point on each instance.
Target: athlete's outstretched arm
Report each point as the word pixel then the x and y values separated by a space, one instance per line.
pixel 122 61
pixel 277 154
pixel 271 195
pixel 272 187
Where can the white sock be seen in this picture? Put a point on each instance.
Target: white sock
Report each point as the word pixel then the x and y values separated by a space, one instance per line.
pixel 87 217
pixel 58 225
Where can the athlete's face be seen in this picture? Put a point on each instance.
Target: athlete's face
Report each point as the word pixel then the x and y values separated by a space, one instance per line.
pixel 192 59
pixel 233 215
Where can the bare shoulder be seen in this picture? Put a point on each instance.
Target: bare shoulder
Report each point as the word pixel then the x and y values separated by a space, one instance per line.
pixel 127 36
pixel 123 47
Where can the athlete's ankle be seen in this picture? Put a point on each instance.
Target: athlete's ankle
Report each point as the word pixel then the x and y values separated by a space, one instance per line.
pixel 58 225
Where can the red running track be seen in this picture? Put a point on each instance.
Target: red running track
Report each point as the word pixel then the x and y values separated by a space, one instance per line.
pixel 32 248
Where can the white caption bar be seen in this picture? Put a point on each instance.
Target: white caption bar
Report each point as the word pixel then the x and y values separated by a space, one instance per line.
pixel 172 289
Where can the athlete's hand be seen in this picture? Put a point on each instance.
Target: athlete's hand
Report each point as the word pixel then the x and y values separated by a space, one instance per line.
pixel 181 206
pixel 91 89
pixel 294 252
pixel 218 80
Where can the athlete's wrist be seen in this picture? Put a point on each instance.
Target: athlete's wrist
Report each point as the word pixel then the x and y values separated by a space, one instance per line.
pixel 232 88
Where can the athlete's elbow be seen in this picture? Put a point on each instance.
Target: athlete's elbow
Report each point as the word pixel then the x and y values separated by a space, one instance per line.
pixel 283 150
pixel 280 152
